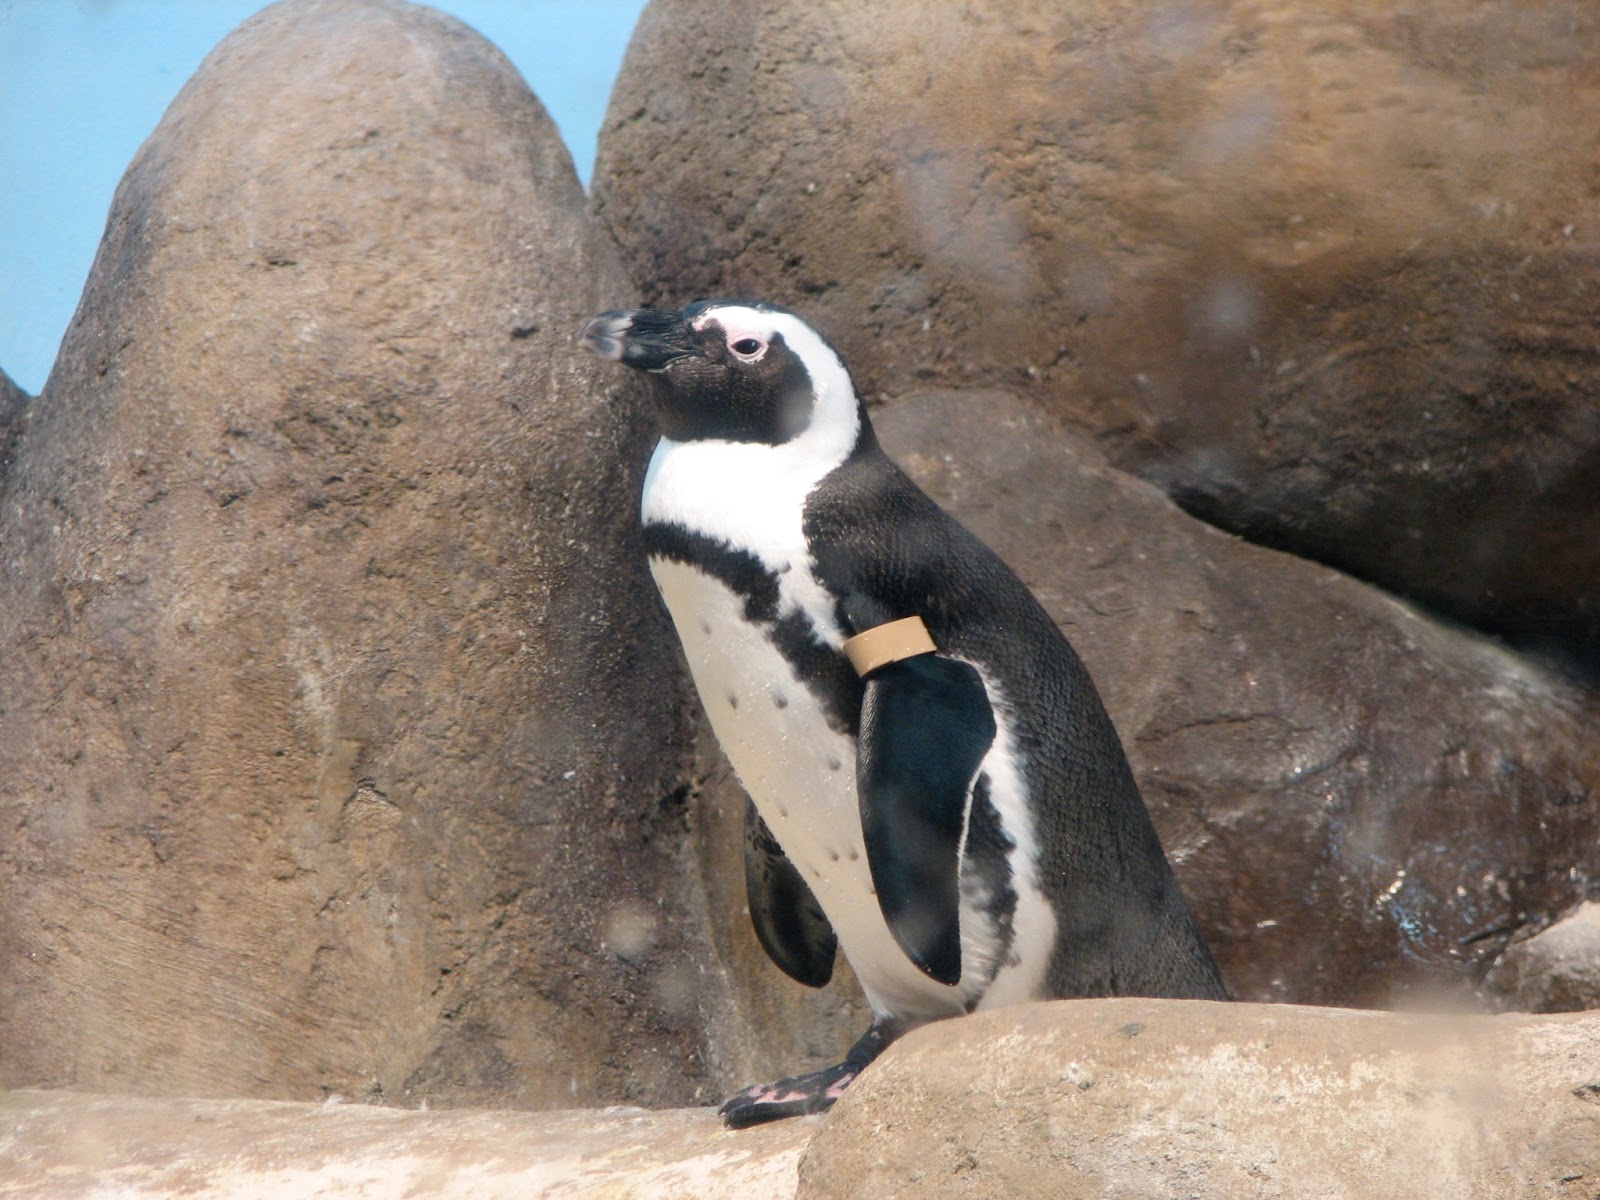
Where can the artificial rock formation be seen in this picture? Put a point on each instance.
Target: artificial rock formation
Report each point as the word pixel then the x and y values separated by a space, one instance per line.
pixel 1292 265
pixel 13 400
pixel 55 1144
pixel 1133 1098
pixel 341 748
pixel 1323 272
pixel 1555 970
pixel 341 745
pixel 1108 1098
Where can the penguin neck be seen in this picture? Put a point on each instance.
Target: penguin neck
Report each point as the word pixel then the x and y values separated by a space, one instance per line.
pixel 747 493
pixel 751 499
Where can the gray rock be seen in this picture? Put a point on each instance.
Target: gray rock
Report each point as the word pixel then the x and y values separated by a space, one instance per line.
pixel 1107 1099
pixel 1324 274
pixel 1556 970
pixel 341 748
pixel 1362 804
pixel 13 400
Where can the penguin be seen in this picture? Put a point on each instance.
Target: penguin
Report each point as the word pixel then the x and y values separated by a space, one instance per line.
pixel 935 786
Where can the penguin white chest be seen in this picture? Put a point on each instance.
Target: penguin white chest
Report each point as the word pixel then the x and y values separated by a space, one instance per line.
pixel 800 772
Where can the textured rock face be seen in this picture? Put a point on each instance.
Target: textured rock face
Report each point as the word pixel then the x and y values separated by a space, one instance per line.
pixel 340 743
pixel 1325 273
pixel 1556 970
pixel 12 401
pixel 1360 803
pixel 1125 1098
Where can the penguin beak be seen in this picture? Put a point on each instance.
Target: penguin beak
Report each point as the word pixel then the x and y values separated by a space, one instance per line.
pixel 646 339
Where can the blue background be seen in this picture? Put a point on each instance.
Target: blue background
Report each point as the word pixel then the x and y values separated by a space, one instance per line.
pixel 84 82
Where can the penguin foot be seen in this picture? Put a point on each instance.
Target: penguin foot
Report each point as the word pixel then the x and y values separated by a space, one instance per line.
pixel 794 1096
pixel 813 1092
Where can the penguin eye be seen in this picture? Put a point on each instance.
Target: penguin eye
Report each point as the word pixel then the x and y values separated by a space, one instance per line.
pixel 748 348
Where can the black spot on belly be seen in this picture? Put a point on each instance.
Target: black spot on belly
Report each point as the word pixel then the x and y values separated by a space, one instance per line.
pixel 779 700
pixel 733 700
pixel 826 673
pixel 705 625
pixel 834 764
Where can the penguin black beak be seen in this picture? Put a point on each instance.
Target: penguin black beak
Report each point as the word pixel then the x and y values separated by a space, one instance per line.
pixel 646 339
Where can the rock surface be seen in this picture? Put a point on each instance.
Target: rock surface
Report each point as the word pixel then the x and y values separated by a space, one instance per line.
pixel 55 1144
pixel 1105 1098
pixel 1325 273
pixel 1136 1098
pixel 1556 970
pixel 12 402
pixel 1362 805
pixel 341 748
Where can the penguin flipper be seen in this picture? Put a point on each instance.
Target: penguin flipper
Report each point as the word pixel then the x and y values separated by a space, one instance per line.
pixel 789 922
pixel 926 725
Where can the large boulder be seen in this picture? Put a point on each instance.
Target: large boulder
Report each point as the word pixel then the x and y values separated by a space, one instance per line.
pixel 1363 804
pixel 1324 273
pixel 341 744
pixel 1137 1098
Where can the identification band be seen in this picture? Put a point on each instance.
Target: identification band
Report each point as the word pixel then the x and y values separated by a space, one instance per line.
pixel 888 643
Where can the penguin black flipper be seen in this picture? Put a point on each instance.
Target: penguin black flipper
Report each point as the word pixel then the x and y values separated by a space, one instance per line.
pixel 926 725
pixel 789 922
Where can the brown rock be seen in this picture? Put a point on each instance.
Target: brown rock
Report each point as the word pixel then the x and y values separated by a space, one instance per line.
pixel 1556 970
pixel 1363 805
pixel 55 1144
pixel 340 744
pixel 1325 273
pixel 1134 1098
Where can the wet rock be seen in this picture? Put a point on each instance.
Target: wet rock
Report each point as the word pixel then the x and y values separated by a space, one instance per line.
pixel 59 1144
pixel 1556 970
pixel 1326 275
pixel 1126 1098
pixel 341 748
pixel 1363 804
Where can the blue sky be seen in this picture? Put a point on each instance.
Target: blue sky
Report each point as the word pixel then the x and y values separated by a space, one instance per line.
pixel 83 82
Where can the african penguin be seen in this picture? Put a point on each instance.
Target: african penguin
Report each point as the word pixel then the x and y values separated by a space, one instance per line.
pixel 955 810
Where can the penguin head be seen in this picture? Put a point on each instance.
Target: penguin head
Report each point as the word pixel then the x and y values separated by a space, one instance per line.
pixel 733 371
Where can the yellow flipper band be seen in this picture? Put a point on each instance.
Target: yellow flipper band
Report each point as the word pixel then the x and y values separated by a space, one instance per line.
pixel 884 644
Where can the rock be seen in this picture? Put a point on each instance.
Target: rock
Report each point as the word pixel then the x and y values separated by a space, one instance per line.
pixel 1325 275
pixel 57 1144
pixel 1080 1098
pixel 1363 804
pixel 12 402
pixel 1126 1098
pixel 341 748
pixel 1556 970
